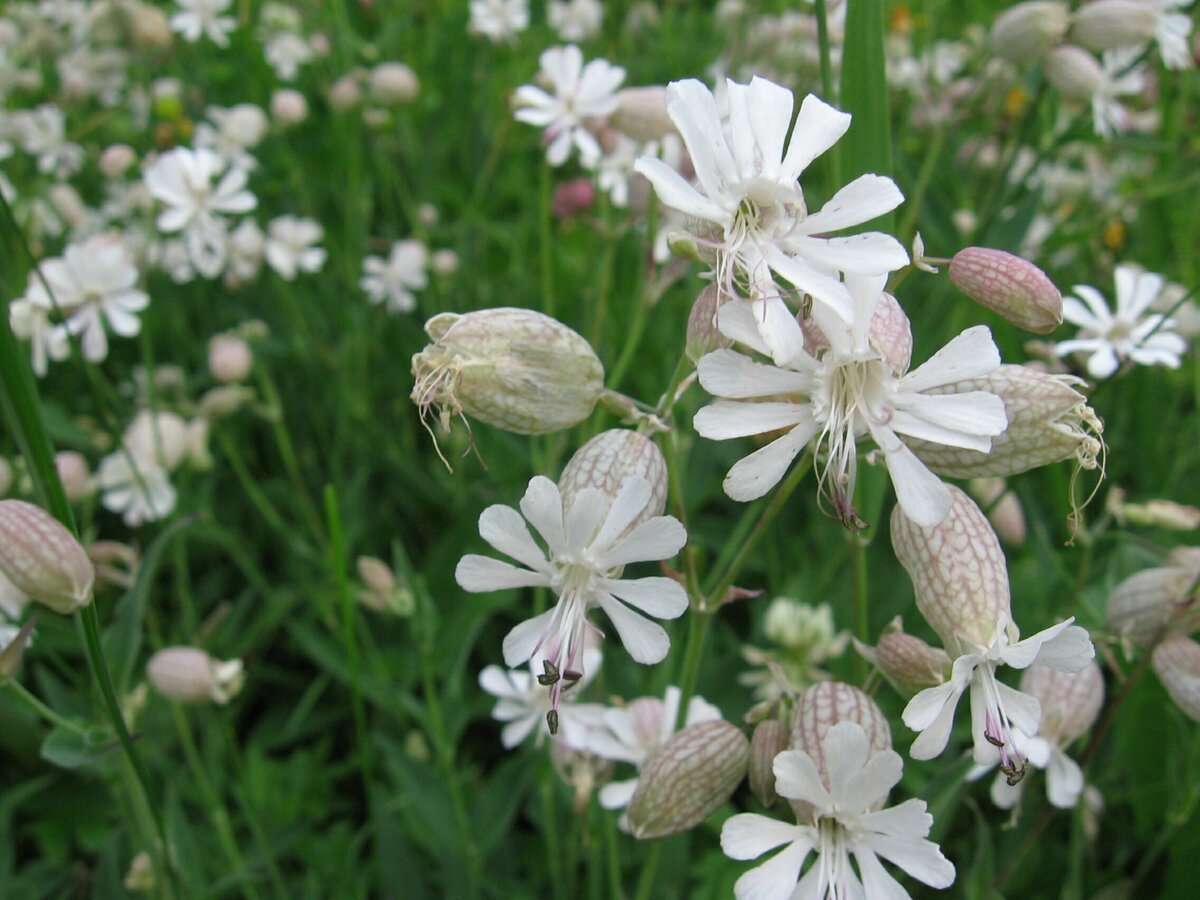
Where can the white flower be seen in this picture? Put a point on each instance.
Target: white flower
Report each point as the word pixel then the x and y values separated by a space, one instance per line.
pixel 105 293
pixel 233 133
pixel 524 704
pixel 197 17
pixel 580 93
pixel 636 732
pixel 587 549
pixel 286 52
pixel 575 20
pixel 616 168
pixel 1172 33
pixel 138 489
pixel 290 246
pixel 748 192
pixel 1122 76
pixel 846 822
pixel 41 132
pixel 182 179
pixel 393 281
pixel 847 392
pixel 245 248
pixel 996 709
pixel 1130 334
pixel 500 21
pixel 29 317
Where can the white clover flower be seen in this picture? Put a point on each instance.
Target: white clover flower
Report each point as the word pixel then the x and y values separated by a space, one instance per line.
pixel 500 21
pixel 523 704
pixel 580 93
pixel 392 281
pixel 575 20
pixel 845 821
pixel 747 191
pixel 290 248
pixel 849 391
pixel 1110 339
pixel 182 179
pixel 586 550
pixel 203 17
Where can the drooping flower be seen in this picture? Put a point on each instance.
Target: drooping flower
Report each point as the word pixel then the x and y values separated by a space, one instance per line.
pixel 579 93
pixel 843 820
pixel 392 281
pixel 748 194
pixel 586 549
pixel 1109 339
pixel 854 388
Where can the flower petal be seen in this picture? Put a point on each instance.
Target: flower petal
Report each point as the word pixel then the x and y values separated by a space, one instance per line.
pixel 481 574
pixel 542 507
pixel 752 476
pixel 660 538
pixel 644 640
pixel 521 641
pixel 729 374
pixel 727 419
pixel 663 598
pixel 818 127
pixel 775 879
pixel 972 354
pixel 505 530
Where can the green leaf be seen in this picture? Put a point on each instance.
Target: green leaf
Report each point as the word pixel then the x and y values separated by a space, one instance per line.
pixel 867 146
pixel 68 748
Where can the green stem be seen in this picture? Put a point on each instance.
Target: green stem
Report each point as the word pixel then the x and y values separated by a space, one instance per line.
pixel 51 717
pixel 698 624
pixel 287 453
pixel 862 620
pixel 545 239
pixel 649 872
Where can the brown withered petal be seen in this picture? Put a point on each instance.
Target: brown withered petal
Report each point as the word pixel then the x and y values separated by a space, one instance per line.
pixel 696 771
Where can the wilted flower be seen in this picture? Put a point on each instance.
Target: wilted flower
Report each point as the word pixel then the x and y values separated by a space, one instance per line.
pixel 845 821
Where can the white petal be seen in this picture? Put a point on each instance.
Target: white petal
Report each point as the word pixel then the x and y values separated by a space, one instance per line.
pixel 871 784
pixel 503 528
pixel 645 641
pixel 480 574
pixel 676 193
pixel 902 846
pixel 797 778
pixel 1003 794
pixel 972 354
pixel 770 112
pixel 660 538
pixel 727 419
pixel 617 794
pixel 583 518
pixel 736 320
pixel 846 750
pixel 663 598
pixel 1024 711
pixel 877 883
pixel 729 374
pixel 967 420
pixel 752 476
pixel 520 642
pixel 780 333
pixel 629 503
pixel 923 496
pixel 749 836
pixel 931 712
pixel 694 111
pixel 863 199
pixel 1064 780
pixel 542 507
pixel 818 127
pixel 776 878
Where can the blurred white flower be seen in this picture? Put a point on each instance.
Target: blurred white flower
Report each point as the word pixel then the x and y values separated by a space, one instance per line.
pixel 580 93
pixel 500 21
pixel 846 821
pixel 245 249
pixel 586 550
pixel 291 246
pixel 138 489
pixel 233 132
pixel 1109 339
pixel 104 280
pixel 575 20
pixel 30 319
pixel 182 179
pixel 1172 33
pixel 286 52
pixel 203 17
pixel 42 132
pixel 392 281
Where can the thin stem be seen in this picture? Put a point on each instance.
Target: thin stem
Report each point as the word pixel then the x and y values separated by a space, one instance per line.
pixel 287 453
pixel 649 872
pixel 698 624
pixel 51 717
pixel 862 618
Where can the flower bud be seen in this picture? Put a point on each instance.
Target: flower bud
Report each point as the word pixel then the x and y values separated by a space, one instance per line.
pixel 826 703
pixel 140 877
pixel 1003 509
pixel 345 93
pixel 1028 30
pixel 1148 601
pixel 1177 662
pixel 393 83
pixel 516 369
pixel 958 573
pixel 642 114
pixel 571 198
pixel 891 333
pixel 702 334
pixel 444 262
pixel 229 358
pixel 116 159
pixel 769 740
pixel 224 400
pixel 42 559
pixel 1070 701
pixel 608 460
pixel 150 27
pixel 1108 24
pixel 376 574
pixel 696 771
pixel 1048 421
pixel 74 474
pixel 1160 514
pixel 1006 284
pixel 161 437
pixel 190 675
pixel 910 664
pixel 288 107
pixel 1075 72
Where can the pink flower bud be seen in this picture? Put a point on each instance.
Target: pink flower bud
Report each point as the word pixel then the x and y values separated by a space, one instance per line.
pixel 1177 662
pixel 1006 284
pixel 608 460
pixel 344 93
pixel 288 107
pixel 1070 701
pixel 43 559
pixel 891 333
pixel 74 474
pixel 229 358
pixel 910 664
pixel 571 198
pixel 696 771
pixel 393 83
pixel 116 159
pixel 769 740
pixel 958 573
pixel 190 675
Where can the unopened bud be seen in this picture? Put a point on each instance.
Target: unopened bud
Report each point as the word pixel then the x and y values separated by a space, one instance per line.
pixel 958 573
pixel 769 740
pixel 696 771
pixel 190 675
pixel 1108 24
pixel 1048 421
pixel 140 877
pixel 1009 285
pixel 516 369
pixel 571 198
pixel 1070 701
pixel 1160 514
pixel 288 107
pixel 393 83
pixel 610 459
pixel 229 358
pixel 702 334
pixel 642 113
pixel 74 474
pixel 345 93
pixel 1029 29
pixel 891 333
pixel 910 664
pixel 376 574
pixel 1151 600
pixel 1075 72
pixel 1003 509
pixel 826 703
pixel 224 400
pixel 1177 662
pixel 444 262
pixel 43 559
pixel 151 29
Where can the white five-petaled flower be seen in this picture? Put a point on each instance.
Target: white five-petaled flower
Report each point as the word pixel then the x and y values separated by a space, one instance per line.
pixel 849 391
pixel 1172 32
pixel 580 93
pixel 291 246
pixel 846 821
pixel 182 180
pixel 1129 334
pixel 522 704
pixel 997 710
pixel 575 20
pixel 392 281
pixel 748 192
pixel 137 488
pixel 586 549
pixel 499 21
pixel 197 17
